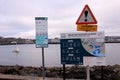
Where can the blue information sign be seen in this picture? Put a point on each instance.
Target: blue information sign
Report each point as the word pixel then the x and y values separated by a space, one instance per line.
pixel 70 51
pixel 42 41
pixel 76 47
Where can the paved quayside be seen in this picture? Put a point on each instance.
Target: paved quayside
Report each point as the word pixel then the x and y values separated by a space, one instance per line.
pixel 16 77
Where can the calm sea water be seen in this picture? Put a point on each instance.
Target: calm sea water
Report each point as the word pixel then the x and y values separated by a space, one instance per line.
pixel 31 56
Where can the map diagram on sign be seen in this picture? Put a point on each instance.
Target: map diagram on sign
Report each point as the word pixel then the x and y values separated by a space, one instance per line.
pixel 94 46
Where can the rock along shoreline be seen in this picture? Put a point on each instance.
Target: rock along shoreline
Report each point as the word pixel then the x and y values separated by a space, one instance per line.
pixel 110 72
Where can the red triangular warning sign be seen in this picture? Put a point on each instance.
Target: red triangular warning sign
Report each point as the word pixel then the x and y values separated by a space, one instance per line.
pixel 86 17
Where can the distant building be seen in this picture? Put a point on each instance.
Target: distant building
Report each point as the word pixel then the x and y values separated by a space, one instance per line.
pixel 54 41
pixel 10 41
pixel 112 39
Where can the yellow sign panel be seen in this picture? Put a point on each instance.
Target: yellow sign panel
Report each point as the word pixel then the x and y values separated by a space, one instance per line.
pixel 84 27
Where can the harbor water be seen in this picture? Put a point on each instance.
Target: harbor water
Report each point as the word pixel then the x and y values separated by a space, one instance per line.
pixel 29 55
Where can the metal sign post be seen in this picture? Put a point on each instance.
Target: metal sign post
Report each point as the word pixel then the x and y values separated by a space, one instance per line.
pixel 88 72
pixel 64 72
pixel 43 63
pixel 42 37
pixel 101 72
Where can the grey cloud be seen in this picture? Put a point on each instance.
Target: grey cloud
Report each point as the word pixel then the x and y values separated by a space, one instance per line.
pixel 17 16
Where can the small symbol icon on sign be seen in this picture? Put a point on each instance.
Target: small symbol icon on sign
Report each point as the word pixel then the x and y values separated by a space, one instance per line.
pixel 86 14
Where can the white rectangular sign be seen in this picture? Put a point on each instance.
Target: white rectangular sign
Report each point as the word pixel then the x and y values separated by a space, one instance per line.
pixel 91 61
pixel 83 35
pixel 41 32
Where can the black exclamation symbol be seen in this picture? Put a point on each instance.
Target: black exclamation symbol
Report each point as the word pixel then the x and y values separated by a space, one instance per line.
pixel 86 14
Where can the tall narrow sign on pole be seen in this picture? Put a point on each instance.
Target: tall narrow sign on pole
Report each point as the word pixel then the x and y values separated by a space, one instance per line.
pixel 41 32
pixel 42 37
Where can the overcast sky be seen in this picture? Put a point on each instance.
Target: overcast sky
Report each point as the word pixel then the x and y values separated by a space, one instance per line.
pixel 17 17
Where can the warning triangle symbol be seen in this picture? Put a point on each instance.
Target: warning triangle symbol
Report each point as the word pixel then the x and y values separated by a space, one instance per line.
pixel 86 17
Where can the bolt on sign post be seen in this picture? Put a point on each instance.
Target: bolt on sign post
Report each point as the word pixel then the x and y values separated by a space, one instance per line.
pixel 42 37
